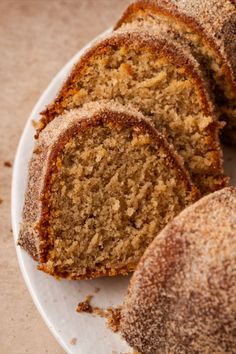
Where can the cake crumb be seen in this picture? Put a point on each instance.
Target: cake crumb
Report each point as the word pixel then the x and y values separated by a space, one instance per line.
pixel 99 312
pixel 1 200
pixel 113 318
pixel 112 315
pixel 73 341
pixel 96 290
pixel 7 164
pixel 85 306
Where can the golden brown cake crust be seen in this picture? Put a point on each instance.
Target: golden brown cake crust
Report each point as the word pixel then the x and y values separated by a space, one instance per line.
pixel 33 235
pixel 213 20
pixel 132 38
pixel 181 298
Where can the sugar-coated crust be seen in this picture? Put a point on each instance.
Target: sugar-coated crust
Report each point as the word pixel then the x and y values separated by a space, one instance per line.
pixel 131 37
pixel 33 234
pixel 181 298
pixel 213 20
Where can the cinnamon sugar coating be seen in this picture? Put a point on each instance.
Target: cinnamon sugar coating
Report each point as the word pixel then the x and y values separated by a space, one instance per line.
pixel 209 27
pixel 181 298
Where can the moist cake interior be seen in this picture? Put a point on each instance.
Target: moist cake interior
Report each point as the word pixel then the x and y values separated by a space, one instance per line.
pixel 215 69
pixel 114 189
pixel 162 92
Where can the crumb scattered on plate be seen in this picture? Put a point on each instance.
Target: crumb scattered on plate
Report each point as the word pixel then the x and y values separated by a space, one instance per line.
pixel 73 341
pixel 113 318
pixel 112 315
pixel 85 306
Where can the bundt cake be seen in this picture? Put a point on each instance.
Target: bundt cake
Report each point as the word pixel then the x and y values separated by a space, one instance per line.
pixel 181 298
pixel 209 26
pixel 163 81
pixel 102 183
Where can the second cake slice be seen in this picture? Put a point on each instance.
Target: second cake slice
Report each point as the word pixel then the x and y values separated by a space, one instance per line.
pixel 164 82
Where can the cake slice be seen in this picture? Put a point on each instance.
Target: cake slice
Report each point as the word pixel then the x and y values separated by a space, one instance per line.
pixel 209 28
pixel 102 183
pixel 163 81
pixel 181 298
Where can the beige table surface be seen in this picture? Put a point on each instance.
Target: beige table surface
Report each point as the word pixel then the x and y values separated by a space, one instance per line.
pixel 37 37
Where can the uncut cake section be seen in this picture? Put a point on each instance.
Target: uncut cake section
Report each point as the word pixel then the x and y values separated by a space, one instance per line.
pixel 181 298
pixel 162 80
pixel 102 183
pixel 209 28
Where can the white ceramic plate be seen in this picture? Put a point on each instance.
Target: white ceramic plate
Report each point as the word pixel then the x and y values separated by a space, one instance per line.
pixel 57 300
